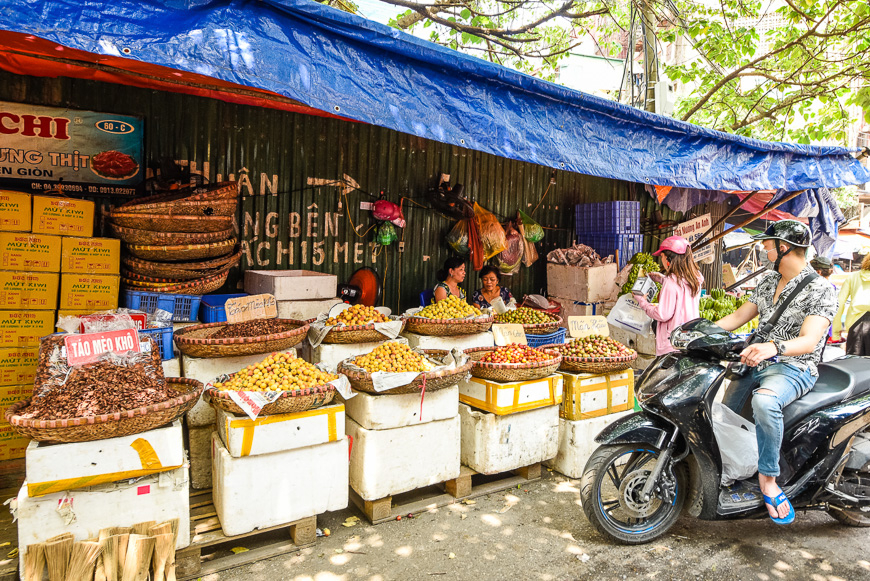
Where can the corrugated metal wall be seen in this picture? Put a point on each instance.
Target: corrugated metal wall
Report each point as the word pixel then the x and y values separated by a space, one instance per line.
pixel 286 223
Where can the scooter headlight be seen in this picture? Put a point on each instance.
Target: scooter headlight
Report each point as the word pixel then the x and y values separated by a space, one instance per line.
pixel 680 339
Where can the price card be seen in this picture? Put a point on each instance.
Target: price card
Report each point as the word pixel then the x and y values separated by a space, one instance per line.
pixel 585 326
pixel 506 333
pixel 243 309
pixel 87 348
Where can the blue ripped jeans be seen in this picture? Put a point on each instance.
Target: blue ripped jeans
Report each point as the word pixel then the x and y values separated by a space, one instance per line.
pixel 788 383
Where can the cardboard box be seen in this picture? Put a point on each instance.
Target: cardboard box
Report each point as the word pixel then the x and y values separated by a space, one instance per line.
pixel 590 395
pixel 291 285
pixel 572 308
pixel 15 211
pixel 589 285
pixel 90 255
pixel 30 252
pixel 11 394
pixel 17 366
pixel 67 216
pixel 28 290
pixel 12 444
pixel 24 328
pixel 86 291
pixel 511 397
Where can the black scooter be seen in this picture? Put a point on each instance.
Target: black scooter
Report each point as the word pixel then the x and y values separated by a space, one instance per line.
pixel 652 464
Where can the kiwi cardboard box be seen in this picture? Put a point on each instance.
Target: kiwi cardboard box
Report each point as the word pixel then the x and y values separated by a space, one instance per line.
pixel 23 328
pixel 89 291
pixel 91 255
pixel 30 252
pixel 15 211
pixel 67 216
pixel 17 366
pixel 28 290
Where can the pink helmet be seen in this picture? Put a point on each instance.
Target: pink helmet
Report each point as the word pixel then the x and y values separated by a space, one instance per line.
pixel 676 244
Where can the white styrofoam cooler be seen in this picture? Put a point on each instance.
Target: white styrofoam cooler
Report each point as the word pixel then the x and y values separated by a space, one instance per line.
pixel 291 285
pixel 199 453
pixel 243 436
pixel 643 344
pixel 331 354
pixel 268 490
pixel 460 342
pixel 387 462
pixel 304 310
pixel 53 468
pixel 577 443
pixel 387 411
pixel 492 443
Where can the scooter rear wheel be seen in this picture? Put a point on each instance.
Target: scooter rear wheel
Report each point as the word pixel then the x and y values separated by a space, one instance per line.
pixel 610 492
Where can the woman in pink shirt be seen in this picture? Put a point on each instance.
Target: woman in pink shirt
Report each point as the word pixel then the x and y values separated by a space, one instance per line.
pixel 680 296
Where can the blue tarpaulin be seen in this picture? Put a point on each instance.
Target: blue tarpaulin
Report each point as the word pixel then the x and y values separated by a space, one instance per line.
pixel 355 68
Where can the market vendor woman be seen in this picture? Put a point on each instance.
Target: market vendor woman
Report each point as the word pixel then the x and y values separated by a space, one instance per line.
pixel 492 289
pixel 451 276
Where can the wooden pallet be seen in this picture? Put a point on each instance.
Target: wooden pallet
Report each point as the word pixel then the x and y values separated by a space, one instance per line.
pixel 210 550
pixel 469 484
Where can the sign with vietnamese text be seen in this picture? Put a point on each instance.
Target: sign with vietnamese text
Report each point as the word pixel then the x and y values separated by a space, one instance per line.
pixel 693 230
pixel 87 348
pixel 243 309
pixel 507 333
pixel 584 326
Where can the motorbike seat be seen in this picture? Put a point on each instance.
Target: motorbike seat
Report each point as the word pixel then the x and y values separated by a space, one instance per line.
pixel 838 380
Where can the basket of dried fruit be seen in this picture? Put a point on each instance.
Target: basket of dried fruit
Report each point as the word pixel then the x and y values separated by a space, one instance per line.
pixel 594 354
pixel 248 338
pixel 394 357
pixel 150 238
pixel 513 362
pixel 357 325
pixel 452 316
pixel 183 252
pixel 198 286
pixel 168 223
pixel 41 419
pixel 534 322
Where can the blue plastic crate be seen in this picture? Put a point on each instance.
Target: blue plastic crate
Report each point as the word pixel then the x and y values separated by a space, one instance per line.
pixel 557 336
pixel 607 244
pixel 163 337
pixel 607 218
pixel 184 308
pixel 211 308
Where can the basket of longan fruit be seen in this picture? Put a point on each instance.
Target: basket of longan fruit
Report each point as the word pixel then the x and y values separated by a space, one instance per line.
pixel 356 324
pixel 452 316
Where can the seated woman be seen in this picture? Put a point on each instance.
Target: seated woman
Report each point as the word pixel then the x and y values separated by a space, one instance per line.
pixel 492 289
pixel 451 276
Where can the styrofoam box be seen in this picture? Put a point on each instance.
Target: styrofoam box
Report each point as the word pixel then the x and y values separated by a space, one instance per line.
pixel 386 462
pixel 172 367
pixel 205 370
pixel 159 497
pixel 304 310
pixel 51 468
pixel 511 396
pixel 577 443
pixel 331 354
pixel 243 436
pixel 460 342
pixel 199 453
pixel 272 489
pixel 645 344
pixel 291 285
pixel 492 443
pixel 387 411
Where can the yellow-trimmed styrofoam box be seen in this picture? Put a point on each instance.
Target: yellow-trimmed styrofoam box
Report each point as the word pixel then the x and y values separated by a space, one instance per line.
pixel 511 397
pixel 20 328
pixel 29 252
pixel 52 468
pixel 90 255
pixel 590 395
pixel 18 365
pixel 15 211
pixel 67 216
pixel 243 436
pixel 28 290
pixel 89 291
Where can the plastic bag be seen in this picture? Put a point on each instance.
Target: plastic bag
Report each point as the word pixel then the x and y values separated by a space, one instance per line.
pixel 492 236
pixel 628 316
pixel 530 253
pixel 386 234
pixel 457 238
pixel 738 447
pixel 510 259
pixel 533 231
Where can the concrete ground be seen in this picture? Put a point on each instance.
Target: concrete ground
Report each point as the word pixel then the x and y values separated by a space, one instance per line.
pixel 539 532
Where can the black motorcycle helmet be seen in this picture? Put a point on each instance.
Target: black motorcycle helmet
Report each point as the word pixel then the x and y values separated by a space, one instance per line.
pixel 792 232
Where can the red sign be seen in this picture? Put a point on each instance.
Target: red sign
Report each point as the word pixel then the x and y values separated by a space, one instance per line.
pixel 87 348
pixel 138 318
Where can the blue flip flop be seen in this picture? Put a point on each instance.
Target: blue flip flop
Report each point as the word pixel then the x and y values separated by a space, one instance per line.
pixel 775 502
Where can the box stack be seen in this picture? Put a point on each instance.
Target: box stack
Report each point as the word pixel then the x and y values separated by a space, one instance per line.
pixel 610 228
pixel 582 291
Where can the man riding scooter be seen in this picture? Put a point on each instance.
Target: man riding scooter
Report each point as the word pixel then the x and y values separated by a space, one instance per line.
pixel 785 364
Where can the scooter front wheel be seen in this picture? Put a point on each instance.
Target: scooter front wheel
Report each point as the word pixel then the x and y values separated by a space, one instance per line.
pixel 611 493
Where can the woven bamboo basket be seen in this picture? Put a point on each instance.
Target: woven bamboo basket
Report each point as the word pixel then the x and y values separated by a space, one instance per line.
pixel 166 223
pixel 179 271
pixel 447 327
pixel 510 371
pixel 211 192
pixel 187 208
pixel 184 276
pixel 183 252
pixel 592 364
pixel 192 287
pixel 124 423
pixel 435 380
pixel 542 328
pixel 289 402
pixel 149 238
pixel 356 334
pixel 194 341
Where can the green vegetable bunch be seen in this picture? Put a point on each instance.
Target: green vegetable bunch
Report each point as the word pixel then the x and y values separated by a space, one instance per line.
pixel 644 261
pixel 718 304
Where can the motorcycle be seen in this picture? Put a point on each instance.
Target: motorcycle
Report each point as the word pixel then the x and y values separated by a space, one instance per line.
pixel 653 464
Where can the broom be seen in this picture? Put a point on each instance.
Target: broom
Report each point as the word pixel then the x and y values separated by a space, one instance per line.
pixel 57 553
pixel 81 563
pixel 139 551
pixel 162 548
pixel 111 554
pixel 143 528
pixel 34 562
pixel 170 562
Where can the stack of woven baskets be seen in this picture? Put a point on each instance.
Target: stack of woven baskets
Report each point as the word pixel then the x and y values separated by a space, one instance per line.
pixel 180 242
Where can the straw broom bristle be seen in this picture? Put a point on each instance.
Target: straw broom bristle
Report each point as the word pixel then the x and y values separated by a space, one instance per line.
pixel 170 563
pixel 161 529
pixel 162 548
pixel 100 571
pixel 34 562
pixel 123 543
pixel 143 528
pixel 139 552
pixel 81 564
pixel 112 531
pixel 57 554
pixel 111 554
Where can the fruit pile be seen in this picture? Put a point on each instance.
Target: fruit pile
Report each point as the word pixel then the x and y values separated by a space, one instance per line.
pixel 450 308
pixel 524 316
pixel 255 328
pixel 357 315
pixel 645 261
pixel 718 304
pixel 515 353
pixel 277 372
pixel 393 358
pixel 594 346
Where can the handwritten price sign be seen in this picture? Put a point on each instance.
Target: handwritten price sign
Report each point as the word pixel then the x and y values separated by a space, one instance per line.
pixel 585 326
pixel 507 333
pixel 249 308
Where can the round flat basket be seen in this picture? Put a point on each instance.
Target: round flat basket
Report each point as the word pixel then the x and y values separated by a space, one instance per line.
pixel 180 271
pixel 447 327
pixel 165 223
pixel 186 207
pixel 289 402
pixel 183 277
pixel 356 334
pixel 542 328
pixel 149 238
pixel 192 287
pixel 183 252
pixel 124 423
pixel 592 364
pixel 194 341
pixel 510 371
pixel 434 380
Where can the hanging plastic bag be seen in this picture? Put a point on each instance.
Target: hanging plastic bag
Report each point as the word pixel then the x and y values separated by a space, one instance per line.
pixel 491 233
pixel 475 246
pixel 533 230
pixel 509 260
pixel 737 444
pixel 530 253
pixel 457 238
pixel 628 316
pixel 386 234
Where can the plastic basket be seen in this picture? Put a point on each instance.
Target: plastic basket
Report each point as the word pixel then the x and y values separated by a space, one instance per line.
pixel 211 308
pixel 606 244
pixel 608 217
pixel 163 337
pixel 184 308
pixel 538 340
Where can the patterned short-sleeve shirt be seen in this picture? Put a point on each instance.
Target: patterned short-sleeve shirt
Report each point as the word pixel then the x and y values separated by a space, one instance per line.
pixel 817 298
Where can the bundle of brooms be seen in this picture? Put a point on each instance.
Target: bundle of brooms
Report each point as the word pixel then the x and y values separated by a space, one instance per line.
pixel 145 551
